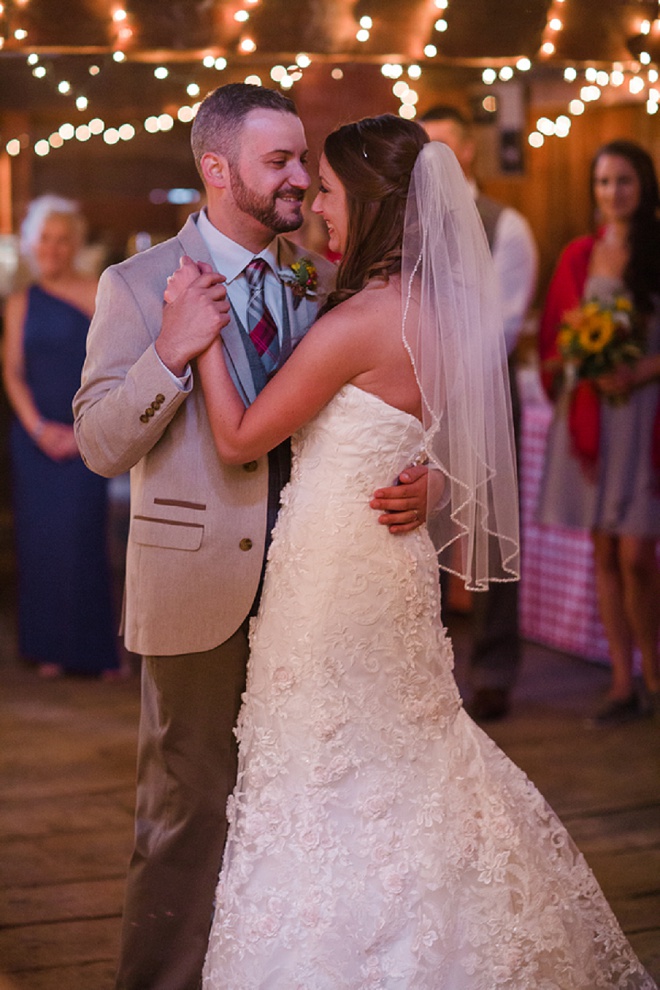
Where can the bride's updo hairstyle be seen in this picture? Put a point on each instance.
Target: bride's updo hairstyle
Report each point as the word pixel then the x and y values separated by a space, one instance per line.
pixel 373 159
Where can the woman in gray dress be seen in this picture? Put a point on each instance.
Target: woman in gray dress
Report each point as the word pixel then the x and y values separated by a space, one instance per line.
pixel 602 469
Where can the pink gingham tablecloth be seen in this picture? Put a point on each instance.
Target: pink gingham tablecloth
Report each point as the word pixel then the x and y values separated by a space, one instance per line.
pixel 557 592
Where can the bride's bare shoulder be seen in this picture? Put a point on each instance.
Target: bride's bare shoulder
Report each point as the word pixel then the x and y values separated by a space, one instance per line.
pixel 371 303
pixel 363 315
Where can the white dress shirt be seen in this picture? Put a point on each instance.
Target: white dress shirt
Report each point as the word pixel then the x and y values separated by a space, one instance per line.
pixel 230 259
pixel 515 257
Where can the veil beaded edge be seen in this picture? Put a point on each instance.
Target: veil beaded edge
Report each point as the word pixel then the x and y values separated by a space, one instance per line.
pixel 452 330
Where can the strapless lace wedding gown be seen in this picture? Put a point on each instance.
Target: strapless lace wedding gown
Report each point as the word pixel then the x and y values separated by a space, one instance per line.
pixel 379 840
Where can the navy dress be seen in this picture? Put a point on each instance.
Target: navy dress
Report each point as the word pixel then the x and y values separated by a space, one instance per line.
pixel 65 613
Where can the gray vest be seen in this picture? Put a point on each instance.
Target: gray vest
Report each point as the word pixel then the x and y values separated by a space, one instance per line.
pixel 490 212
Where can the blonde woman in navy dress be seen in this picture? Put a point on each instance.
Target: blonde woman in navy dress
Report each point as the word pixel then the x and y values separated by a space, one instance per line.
pixel 65 615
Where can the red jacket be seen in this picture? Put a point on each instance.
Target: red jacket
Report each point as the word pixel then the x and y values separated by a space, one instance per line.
pixel 565 292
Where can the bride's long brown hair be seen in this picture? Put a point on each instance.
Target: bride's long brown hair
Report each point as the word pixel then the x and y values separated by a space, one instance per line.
pixel 373 159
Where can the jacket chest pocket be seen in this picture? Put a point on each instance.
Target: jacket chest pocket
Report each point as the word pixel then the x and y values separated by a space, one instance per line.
pixel 171 534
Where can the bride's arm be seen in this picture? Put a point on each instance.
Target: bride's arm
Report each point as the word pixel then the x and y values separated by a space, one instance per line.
pixel 334 351
pixel 327 358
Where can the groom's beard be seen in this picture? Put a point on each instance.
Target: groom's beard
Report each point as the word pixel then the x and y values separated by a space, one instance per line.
pixel 264 208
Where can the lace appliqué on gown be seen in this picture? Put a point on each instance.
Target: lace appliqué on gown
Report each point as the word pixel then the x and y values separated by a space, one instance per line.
pixel 379 840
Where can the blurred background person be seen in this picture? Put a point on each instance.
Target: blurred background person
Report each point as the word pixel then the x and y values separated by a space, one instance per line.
pixel 602 470
pixel 65 613
pixel 495 651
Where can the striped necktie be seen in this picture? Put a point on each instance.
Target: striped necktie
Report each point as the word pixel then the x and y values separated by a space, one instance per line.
pixel 261 325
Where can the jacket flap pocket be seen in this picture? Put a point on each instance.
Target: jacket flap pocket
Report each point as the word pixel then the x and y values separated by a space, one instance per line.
pixel 153 531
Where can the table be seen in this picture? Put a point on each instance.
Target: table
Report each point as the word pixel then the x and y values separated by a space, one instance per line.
pixel 557 592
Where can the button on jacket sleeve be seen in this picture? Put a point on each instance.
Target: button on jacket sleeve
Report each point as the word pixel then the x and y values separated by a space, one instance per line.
pixel 127 396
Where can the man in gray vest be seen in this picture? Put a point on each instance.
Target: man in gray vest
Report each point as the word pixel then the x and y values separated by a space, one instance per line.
pixel 495 654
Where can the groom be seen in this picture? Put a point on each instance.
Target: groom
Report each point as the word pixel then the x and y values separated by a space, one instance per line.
pixel 199 529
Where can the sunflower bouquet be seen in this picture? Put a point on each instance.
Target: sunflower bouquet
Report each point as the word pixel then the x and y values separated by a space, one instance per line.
pixel 595 338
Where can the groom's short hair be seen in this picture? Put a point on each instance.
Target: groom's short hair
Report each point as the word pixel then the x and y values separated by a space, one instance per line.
pixel 221 115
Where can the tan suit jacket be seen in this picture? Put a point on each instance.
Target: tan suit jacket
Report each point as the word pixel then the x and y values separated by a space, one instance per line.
pixel 198 527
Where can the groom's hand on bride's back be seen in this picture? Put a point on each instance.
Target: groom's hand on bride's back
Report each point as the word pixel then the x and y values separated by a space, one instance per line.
pixel 403 505
pixel 196 310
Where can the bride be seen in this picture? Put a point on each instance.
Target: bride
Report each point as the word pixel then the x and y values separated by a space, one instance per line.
pixel 378 838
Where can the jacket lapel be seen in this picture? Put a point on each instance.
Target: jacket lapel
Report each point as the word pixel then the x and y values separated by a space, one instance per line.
pixel 194 246
pixel 303 315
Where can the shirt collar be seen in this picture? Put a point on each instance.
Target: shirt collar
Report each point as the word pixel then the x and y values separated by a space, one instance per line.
pixel 229 257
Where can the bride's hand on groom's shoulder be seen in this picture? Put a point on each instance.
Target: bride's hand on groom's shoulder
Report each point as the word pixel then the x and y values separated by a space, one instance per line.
pixel 403 505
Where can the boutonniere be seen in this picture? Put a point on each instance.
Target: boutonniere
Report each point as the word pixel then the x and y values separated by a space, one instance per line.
pixel 303 279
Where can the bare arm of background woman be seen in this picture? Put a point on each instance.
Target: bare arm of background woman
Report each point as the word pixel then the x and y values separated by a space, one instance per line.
pixel 56 440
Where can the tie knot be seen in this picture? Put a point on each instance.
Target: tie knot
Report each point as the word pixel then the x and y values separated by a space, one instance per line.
pixel 255 272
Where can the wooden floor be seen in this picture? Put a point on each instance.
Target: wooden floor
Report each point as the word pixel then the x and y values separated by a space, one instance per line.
pixel 66 797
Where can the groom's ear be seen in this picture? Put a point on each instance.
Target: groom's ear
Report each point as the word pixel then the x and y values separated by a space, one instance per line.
pixel 215 170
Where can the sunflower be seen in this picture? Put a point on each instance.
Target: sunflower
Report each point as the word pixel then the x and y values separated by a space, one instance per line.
pixel 596 331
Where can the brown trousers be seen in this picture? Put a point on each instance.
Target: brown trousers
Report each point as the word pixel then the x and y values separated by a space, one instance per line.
pixel 187 757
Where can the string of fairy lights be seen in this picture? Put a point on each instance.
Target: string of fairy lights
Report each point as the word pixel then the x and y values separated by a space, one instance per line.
pixel 639 75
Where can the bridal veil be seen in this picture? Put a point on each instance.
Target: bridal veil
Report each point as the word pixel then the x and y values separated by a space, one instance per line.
pixel 452 329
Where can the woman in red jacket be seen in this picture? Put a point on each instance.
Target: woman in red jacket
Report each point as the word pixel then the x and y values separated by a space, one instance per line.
pixel 602 469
